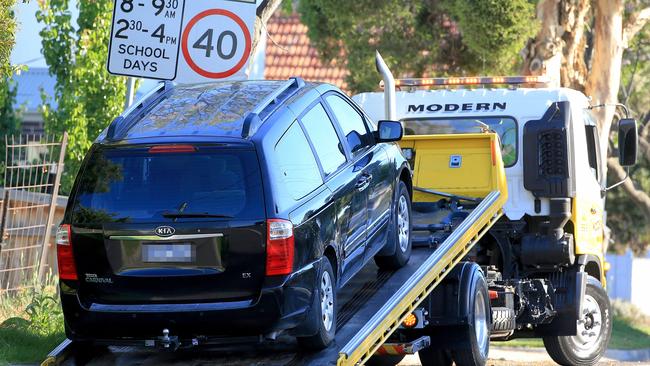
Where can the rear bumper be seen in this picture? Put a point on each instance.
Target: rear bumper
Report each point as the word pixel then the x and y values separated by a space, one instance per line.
pixel 283 304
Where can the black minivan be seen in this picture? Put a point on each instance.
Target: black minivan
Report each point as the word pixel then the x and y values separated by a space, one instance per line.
pixel 231 209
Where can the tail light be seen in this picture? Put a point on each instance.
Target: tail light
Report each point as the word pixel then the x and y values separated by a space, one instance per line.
pixel 65 259
pixel 163 149
pixel 279 247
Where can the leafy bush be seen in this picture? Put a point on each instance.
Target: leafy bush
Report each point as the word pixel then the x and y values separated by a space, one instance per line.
pixel 31 324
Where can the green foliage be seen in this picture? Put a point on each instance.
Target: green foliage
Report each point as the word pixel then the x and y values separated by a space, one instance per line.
pixel 629 222
pixel 416 37
pixel 499 33
pixel 7 37
pixel 10 118
pixel 31 323
pixel 87 96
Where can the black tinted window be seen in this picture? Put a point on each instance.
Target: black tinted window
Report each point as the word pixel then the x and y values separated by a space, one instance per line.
pixel 136 185
pixel 351 122
pixel 324 138
pixel 296 164
pixel 593 148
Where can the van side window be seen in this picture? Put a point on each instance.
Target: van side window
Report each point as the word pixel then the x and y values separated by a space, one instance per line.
pixel 323 136
pixel 351 122
pixel 296 163
pixel 593 147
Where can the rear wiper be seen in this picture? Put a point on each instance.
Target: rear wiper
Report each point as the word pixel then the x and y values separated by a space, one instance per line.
pixel 175 215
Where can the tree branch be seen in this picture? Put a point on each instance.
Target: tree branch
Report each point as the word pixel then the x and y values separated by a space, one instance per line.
pixel 634 25
pixel 264 12
pixel 639 197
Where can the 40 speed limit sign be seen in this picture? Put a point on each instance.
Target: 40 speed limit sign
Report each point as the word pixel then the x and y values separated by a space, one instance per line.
pixel 189 41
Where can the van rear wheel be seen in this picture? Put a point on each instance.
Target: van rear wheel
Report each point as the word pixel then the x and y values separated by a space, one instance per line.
pixel 325 298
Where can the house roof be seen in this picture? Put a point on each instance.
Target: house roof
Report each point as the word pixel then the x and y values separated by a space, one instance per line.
pixel 289 53
pixel 30 83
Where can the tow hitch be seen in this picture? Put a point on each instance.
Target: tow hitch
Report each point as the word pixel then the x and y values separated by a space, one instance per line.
pixel 165 342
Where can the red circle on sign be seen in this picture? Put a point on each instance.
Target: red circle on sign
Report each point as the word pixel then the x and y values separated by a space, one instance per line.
pixel 197 68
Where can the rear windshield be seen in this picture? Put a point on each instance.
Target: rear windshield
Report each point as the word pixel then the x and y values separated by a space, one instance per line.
pixel 134 185
pixel 505 127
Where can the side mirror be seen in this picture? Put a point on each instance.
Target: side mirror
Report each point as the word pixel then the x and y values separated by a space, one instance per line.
pixel 389 131
pixel 627 141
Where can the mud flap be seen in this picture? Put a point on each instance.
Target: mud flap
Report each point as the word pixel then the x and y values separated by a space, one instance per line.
pixel 567 306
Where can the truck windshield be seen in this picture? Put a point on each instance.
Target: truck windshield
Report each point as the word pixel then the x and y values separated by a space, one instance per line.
pixel 505 127
pixel 135 185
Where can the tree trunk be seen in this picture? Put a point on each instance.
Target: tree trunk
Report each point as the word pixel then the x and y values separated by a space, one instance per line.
pixel 605 75
pixel 543 55
pixel 574 71
pixel 264 11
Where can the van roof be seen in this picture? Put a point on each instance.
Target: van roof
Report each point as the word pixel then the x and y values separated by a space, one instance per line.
pixel 210 109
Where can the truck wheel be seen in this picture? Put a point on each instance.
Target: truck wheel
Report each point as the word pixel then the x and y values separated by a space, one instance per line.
pixel 385 360
pixel 503 319
pixel 325 295
pixel 399 234
pixel 594 331
pixel 432 356
pixel 476 336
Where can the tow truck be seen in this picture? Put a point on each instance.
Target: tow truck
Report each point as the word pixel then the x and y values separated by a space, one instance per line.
pixel 468 279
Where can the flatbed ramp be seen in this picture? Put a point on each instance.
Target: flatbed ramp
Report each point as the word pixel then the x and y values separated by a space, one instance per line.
pixel 374 303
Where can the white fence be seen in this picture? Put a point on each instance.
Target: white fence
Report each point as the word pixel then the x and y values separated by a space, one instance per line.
pixel 628 279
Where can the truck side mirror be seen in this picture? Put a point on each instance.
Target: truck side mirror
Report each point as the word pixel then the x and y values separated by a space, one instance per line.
pixel 627 141
pixel 389 131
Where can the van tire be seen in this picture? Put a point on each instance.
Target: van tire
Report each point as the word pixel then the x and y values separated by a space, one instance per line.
pixel 399 233
pixel 563 349
pixel 325 307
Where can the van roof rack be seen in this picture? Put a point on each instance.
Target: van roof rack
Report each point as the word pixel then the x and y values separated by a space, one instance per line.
pixel 270 104
pixel 125 121
pixel 470 80
pixel 253 120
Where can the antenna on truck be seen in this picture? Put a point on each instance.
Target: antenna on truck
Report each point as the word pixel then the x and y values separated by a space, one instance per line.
pixel 390 105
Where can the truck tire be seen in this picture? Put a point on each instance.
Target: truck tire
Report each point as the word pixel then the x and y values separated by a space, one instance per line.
pixel 385 360
pixel 325 296
pixel 503 319
pixel 594 331
pixel 476 335
pixel 399 234
pixel 432 356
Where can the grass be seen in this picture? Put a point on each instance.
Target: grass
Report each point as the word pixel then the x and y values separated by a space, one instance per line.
pixel 31 324
pixel 630 330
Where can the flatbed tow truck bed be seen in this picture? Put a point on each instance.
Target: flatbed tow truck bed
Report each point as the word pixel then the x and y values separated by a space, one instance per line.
pixel 374 303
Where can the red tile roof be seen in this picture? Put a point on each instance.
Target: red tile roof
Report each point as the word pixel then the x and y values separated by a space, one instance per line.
pixel 289 53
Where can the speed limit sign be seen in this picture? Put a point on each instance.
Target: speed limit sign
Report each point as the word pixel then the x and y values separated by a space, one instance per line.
pixel 186 41
pixel 216 40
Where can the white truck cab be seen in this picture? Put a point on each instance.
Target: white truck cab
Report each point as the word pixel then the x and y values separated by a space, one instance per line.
pixel 544 259
pixel 506 111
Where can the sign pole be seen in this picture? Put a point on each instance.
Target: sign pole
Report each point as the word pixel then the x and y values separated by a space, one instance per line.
pixel 130 91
